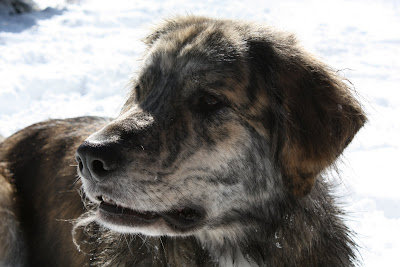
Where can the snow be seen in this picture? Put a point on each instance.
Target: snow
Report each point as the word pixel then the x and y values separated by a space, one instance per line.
pixel 77 58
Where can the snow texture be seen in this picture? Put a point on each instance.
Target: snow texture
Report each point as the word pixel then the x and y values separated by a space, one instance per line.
pixel 77 57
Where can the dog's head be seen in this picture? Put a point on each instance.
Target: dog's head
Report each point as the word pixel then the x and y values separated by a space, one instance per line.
pixel 223 116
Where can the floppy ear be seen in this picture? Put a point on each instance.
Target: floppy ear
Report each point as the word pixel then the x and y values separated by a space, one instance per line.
pixel 314 114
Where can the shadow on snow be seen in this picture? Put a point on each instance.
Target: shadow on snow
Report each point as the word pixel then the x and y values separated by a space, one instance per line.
pixel 20 22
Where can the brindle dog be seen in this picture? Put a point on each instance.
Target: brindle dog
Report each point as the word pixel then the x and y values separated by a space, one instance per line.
pixel 215 160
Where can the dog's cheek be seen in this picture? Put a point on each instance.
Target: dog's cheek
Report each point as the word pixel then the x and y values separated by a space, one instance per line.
pixel 246 179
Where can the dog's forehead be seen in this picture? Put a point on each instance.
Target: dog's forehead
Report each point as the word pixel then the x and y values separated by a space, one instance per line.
pixel 196 57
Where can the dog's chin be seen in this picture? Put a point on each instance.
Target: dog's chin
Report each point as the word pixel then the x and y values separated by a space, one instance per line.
pixel 181 220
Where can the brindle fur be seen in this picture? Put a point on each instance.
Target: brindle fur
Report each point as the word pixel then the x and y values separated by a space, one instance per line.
pixel 253 162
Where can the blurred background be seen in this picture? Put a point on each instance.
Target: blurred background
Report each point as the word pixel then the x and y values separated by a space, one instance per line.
pixel 62 59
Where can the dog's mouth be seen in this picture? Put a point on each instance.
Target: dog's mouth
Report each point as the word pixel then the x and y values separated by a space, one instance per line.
pixel 180 218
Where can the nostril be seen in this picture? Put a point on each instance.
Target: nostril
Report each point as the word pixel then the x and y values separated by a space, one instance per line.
pixel 80 165
pixel 79 161
pixel 98 167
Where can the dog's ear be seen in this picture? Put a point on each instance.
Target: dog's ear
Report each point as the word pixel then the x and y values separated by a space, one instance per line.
pixel 313 115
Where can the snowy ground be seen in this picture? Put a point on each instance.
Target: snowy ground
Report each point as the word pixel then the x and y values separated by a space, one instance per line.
pixel 77 59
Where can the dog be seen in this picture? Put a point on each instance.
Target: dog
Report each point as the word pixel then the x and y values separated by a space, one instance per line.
pixel 216 159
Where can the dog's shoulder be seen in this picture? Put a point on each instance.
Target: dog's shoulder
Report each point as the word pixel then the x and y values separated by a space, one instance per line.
pixel 38 189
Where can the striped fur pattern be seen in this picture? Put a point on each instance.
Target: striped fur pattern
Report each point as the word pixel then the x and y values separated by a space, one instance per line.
pixel 215 159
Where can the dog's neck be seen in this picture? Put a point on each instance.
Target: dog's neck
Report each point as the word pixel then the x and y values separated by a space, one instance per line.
pixel 237 260
pixel 165 251
pixel 224 249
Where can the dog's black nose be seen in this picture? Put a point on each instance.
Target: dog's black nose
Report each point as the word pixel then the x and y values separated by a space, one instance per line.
pixel 97 161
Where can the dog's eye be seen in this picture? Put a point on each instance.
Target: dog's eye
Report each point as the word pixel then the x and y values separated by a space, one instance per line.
pixel 209 103
pixel 210 100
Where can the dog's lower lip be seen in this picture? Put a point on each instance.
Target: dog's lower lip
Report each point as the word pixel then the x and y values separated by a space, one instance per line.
pixel 113 209
pixel 183 218
pixel 179 218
